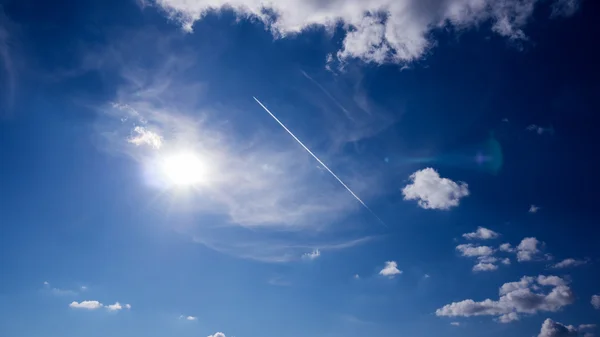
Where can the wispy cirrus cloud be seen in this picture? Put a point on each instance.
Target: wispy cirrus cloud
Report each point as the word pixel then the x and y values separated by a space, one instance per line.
pixel 378 31
pixel 263 190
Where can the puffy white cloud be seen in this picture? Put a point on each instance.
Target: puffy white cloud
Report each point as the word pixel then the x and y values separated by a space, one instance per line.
pixel 481 266
pixel 455 323
pixel 551 328
pixel 567 263
pixel 312 255
pixel 505 261
pixel 472 250
pixel 390 269
pixel 93 305
pixel 528 249
pixel 526 296
pixel 534 209
pixel 595 301
pixel 116 307
pixel 188 318
pixel 144 136
pixel 218 334
pixel 481 233
pixel 506 247
pixel 433 191
pixel 88 305
pixel 379 31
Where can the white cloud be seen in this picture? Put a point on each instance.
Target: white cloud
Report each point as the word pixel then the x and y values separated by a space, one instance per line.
pixel 426 276
pixel 312 255
pixel 88 305
pixel 595 301
pixel 528 249
pixel 93 305
pixel 46 283
pixel 526 296
pixel 567 263
pixel 586 326
pixel 258 182
pixel 551 328
pixel 485 267
pixel 380 31
pixel 505 261
pixel 434 192
pixel 114 307
pixel 390 269
pixel 506 247
pixel 481 233
pixel 455 323
pixel 534 209
pixel 471 250
pixel 144 136
pixel 188 318
pixel 218 334
pixel 356 276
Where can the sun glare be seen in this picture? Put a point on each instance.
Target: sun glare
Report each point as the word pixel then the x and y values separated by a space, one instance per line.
pixel 184 169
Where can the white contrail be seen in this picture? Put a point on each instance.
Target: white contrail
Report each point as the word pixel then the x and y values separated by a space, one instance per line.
pixel 318 160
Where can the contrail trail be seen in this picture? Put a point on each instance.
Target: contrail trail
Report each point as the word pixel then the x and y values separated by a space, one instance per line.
pixel 318 160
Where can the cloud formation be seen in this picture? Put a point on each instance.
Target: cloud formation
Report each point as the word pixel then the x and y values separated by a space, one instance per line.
pixel 188 318
pixel 528 249
pixel 218 334
pixel 595 301
pixel 312 255
pixel 142 136
pixel 378 31
pixel 526 296
pixel 390 270
pixel 93 305
pixel 534 209
pixel 88 305
pixel 481 233
pixel 471 250
pixel 567 263
pixel 551 328
pixel 433 191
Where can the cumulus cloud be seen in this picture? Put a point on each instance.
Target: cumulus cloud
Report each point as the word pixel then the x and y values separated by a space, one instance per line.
pixel 526 296
pixel 472 250
pixel 93 305
pixel 481 266
pixel 433 191
pixel 595 301
pixel 379 31
pixel 481 233
pixel 567 263
pixel 188 318
pixel 534 209
pixel 455 323
pixel 505 261
pixel 390 269
pixel 528 249
pixel 312 255
pixel 506 247
pixel 218 334
pixel 88 305
pixel 551 328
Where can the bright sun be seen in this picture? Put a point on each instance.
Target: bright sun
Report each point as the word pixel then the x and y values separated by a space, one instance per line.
pixel 184 169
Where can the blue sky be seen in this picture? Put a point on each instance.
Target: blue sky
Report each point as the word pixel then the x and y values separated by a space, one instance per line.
pixel 450 190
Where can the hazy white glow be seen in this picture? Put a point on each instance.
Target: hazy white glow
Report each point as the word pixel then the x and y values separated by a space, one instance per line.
pixel 184 169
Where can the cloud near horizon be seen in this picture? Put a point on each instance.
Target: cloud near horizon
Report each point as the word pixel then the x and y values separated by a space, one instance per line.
pixel 377 31
pixel 516 298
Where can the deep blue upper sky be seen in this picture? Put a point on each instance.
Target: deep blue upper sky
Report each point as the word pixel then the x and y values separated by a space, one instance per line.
pixel 136 168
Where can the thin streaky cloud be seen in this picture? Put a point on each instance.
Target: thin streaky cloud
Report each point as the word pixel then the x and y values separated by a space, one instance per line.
pixel 339 105
pixel 319 161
